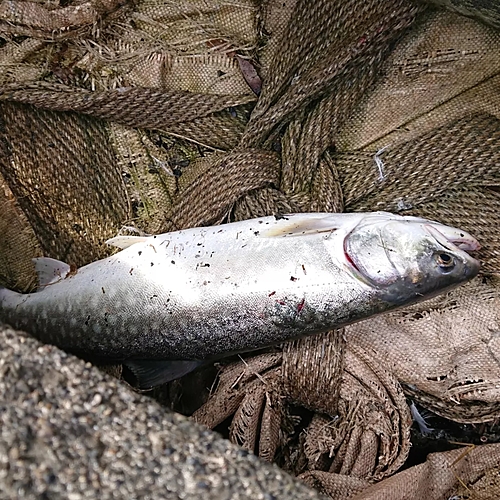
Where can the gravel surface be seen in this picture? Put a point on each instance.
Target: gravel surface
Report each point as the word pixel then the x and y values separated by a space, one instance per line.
pixel 69 431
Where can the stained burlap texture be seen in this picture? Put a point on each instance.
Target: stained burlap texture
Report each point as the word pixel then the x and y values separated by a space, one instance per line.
pixel 474 469
pixel 43 198
pixel 447 352
pixel 368 434
pixel 138 115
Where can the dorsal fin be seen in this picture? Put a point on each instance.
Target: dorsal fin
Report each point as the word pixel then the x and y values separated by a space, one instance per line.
pixel 50 271
pixel 126 241
pixel 303 224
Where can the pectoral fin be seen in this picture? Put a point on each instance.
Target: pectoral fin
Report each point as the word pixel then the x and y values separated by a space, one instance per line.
pixel 148 373
pixel 50 271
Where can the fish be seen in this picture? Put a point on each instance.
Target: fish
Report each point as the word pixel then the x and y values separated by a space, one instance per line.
pixel 166 304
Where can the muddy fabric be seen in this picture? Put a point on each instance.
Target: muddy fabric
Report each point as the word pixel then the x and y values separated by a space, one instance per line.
pixel 362 422
pixel 18 244
pixel 55 164
pixel 150 116
pixel 465 473
pixel 448 350
pixel 486 11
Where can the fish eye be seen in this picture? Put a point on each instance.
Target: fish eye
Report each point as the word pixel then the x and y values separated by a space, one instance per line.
pixel 445 261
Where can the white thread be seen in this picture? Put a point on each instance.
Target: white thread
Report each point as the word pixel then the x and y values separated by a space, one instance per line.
pixel 380 163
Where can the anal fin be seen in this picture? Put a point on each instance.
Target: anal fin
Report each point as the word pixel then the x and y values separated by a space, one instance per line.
pixel 149 373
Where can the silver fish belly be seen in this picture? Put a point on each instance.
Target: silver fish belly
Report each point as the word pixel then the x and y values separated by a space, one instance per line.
pixel 204 293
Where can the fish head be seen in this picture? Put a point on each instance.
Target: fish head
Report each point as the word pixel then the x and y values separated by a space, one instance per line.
pixel 409 257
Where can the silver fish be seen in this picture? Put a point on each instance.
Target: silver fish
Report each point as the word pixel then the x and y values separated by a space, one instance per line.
pixel 167 303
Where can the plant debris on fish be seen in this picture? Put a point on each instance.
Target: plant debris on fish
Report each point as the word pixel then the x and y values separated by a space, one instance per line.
pixel 166 304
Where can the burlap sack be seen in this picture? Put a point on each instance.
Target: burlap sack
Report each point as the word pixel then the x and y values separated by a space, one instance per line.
pixel 140 115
